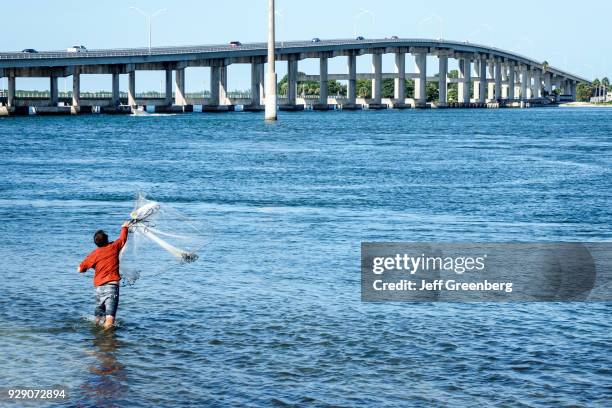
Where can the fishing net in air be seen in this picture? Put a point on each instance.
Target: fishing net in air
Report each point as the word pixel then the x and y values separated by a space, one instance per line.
pixel 161 238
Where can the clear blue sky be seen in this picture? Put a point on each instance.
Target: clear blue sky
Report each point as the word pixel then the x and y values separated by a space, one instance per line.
pixel 573 36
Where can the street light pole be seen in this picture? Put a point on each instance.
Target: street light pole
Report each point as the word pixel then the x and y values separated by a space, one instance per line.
pixel 270 110
pixel 149 18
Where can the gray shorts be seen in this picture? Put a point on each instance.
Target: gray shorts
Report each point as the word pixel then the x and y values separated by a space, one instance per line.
pixel 107 300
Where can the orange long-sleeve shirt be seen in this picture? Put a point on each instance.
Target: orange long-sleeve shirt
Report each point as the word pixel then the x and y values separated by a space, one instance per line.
pixel 105 260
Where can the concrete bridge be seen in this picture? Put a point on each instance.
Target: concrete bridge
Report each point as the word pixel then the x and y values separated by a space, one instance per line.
pixel 486 75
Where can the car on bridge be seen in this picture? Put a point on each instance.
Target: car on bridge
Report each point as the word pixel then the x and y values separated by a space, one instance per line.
pixel 77 48
pixel 316 40
pixel 29 51
pixel 359 38
pixel 235 44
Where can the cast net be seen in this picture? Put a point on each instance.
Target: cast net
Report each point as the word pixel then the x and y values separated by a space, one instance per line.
pixel 161 238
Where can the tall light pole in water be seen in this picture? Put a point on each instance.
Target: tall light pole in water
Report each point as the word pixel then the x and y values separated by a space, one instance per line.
pixel 150 18
pixel 270 113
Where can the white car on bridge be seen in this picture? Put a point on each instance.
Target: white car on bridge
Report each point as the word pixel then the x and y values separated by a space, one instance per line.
pixel 77 48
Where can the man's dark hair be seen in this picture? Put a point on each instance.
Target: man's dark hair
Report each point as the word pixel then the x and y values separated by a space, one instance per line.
pixel 100 238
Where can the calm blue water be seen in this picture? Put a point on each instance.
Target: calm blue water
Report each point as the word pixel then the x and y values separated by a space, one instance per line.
pixel 271 313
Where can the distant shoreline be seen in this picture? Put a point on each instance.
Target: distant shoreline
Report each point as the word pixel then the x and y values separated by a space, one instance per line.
pixel 584 105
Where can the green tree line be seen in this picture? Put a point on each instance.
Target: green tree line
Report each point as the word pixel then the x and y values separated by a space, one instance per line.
pixel 364 88
pixel 584 92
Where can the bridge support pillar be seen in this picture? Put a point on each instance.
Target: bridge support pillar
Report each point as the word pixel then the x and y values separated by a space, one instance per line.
pixel 377 82
pixel 53 91
pixel 547 83
pixel 256 81
pixel 168 87
pixel 497 94
pixel 292 72
pixel 528 77
pixel 476 83
pixel 215 77
pixel 399 83
pixel 179 87
pixel 482 82
pixel 11 91
pixel 222 85
pixel 537 83
pixel 524 76
pixel 132 88
pixel 504 80
pixel 465 80
pixel 511 82
pixel 115 90
pixel 491 84
pixel 323 85
pixel 292 79
pixel 261 74
pixel 420 82
pixel 572 87
pixel 352 83
pixel 217 89
pixel 442 80
pixel 76 89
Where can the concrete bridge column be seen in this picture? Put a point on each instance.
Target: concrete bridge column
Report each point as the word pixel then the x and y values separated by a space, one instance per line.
pixel 179 87
pixel 132 88
pixel 491 85
pixel 511 81
pixel 115 96
pixel 255 82
pixel 497 94
pixel 218 85
pixel 223 85
pixel 76 87
pixel 323 90
pixel 572 87
pixel 215 78
pixel 420 82
pixel 465 80
pixel 482 96
pixel 524 79
pixel 168 91
pixel 352 80
pixel 261 76
pixel 504 78
pixel 11 91
pixel 537 83
pixel 442 80
pixel 292 73
pixel 377 79
pixel 53 92
pixel 476 82
pixel 547 83
pixel 529 76
pixel 399 83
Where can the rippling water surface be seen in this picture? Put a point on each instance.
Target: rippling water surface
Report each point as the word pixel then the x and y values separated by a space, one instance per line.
pixel 271 313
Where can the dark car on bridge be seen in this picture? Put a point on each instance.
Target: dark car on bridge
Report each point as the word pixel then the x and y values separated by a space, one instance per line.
pixel 234 44
pixel 29 51
pixel 316 40
pixel 359 38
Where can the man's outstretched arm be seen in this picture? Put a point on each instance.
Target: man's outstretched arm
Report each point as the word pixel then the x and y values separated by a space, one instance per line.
pixel 120 242
pixel 85 265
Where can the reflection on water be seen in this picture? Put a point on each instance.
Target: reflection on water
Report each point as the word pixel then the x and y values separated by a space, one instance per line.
pixel 106 381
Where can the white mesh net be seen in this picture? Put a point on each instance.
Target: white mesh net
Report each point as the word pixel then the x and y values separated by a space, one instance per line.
pixel 161 238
